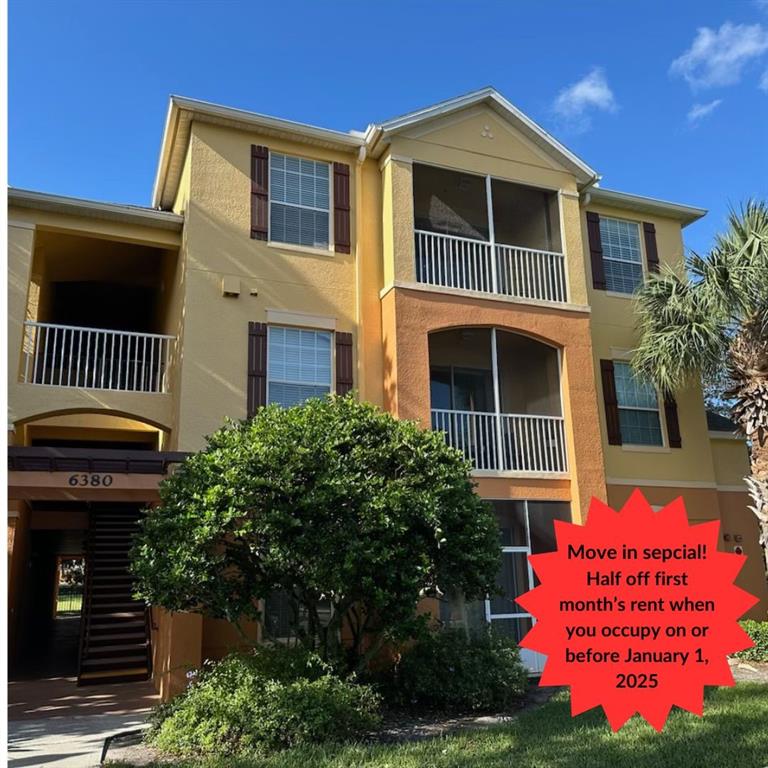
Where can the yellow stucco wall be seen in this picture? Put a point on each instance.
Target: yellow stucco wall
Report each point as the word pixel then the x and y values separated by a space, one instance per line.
pixel 614 335
pixel 27 401
pixel 730 457
pixel 217 244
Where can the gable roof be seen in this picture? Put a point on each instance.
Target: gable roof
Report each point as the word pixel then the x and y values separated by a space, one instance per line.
pixel 182 111
pixel 377 135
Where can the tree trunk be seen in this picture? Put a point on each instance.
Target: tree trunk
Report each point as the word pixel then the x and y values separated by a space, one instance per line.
pixel 748 370
pixel 758 490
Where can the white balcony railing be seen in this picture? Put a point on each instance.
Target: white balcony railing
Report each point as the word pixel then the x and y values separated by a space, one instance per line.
pixel 93 358
pixel 504 441
pixel 476 265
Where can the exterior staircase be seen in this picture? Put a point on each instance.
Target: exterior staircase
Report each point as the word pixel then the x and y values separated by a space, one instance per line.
pixel 115 637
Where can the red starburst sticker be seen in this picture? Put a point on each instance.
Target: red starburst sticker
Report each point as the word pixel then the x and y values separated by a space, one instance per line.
pixel 636 611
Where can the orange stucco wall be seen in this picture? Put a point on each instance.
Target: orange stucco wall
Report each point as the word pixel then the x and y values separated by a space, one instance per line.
pixel 176 649
pixel 738 520
pixel 409 316
pixel 731 509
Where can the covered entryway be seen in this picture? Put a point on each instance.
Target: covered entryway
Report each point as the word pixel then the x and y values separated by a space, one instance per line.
pixel 77 509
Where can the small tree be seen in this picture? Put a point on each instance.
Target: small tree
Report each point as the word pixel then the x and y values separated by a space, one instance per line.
pixel 336 503
pixel 713 323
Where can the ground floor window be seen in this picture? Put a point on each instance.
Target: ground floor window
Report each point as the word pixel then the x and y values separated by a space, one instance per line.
pixel 525 527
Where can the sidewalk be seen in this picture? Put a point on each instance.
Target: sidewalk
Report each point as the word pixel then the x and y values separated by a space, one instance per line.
pixel 65 742
pixel 55 723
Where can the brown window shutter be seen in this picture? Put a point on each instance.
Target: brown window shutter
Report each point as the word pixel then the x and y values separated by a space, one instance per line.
pixel 596 252
pixel 257 367
pixel 259 192
pixel 611 403
pixel 673 423
pixel 341 238
pixel 343 363
pixel 651 252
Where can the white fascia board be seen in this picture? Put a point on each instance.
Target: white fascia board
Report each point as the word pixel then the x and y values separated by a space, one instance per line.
pixel 27 198
pixel 685 213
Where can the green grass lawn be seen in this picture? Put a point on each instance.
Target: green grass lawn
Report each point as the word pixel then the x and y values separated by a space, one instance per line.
pixel 732 733
pixel 69 604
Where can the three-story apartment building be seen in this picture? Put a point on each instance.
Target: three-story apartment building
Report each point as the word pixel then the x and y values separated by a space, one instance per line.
pixel 456 265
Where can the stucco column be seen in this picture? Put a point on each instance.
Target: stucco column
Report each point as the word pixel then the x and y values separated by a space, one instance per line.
pixel 580 409
pixel 397 214
pixel 573 247
pixel 21 246
pixel 178 646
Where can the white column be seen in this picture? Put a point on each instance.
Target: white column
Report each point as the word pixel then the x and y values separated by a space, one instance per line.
pixel 497 401
pixel 491 234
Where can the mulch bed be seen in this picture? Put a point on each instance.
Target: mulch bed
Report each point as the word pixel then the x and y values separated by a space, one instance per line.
pixel 405 725
pixel 398 726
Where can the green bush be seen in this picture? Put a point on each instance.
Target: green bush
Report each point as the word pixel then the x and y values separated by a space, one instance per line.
pixel 268 699
pixel 758 631
pixel 449 670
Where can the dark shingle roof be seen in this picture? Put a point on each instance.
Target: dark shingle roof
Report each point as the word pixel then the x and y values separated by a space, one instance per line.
pixel 718 423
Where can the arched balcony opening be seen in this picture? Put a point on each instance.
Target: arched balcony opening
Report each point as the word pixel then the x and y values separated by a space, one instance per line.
pixel 496 396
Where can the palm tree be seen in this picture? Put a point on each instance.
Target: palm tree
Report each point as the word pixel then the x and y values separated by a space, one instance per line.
pixel 712 323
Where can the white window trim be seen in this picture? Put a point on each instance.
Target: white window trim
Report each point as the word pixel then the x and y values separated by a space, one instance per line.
pixel 299 246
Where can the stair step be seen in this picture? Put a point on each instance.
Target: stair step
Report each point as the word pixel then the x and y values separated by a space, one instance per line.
pixel 139 646
pixel 138 634
pixel 117 596
pixel 117 661
pixel 117 615
pixel 129 606
pixel 112 626
pixel 113 676
pixel 106 581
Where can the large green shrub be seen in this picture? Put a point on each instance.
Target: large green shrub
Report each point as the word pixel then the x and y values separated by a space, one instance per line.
pixel 268 699
pixel 450 670
pixel 335 503
pixel 758 631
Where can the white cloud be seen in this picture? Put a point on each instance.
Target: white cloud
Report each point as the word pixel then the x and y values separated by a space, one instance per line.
pixel 697 111
pixel 717 57
pixel 592 92
pixel 764 81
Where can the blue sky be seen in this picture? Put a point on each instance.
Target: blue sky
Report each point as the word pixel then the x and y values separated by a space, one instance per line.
pixel 667 99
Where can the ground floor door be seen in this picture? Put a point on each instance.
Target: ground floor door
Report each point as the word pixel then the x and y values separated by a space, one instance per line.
pixel 525 528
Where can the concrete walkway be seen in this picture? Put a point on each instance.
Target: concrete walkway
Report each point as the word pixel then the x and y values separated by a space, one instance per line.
pixel 64 742
pixel 53 723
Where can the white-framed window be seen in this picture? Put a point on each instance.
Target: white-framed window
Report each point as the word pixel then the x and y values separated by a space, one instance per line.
pixel 299 201
pixel 298 364
pixel 638 403
pixel 622 257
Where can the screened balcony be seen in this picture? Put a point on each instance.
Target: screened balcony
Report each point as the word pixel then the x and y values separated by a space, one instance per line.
pixel 481 234
pixel 496 396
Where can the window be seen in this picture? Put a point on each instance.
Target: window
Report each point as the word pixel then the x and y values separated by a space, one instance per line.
pixel 622 259
pixel 638 408
pixel 298 365
pixel 299 201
